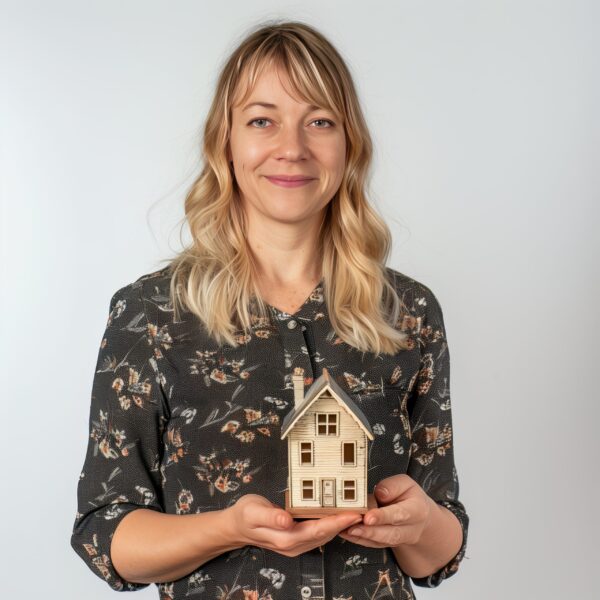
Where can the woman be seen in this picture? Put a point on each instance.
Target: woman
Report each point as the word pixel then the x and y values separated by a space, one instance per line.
pixel 185 473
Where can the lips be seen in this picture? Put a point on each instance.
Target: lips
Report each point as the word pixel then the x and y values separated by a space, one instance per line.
pixel 290 177
pixel 292 181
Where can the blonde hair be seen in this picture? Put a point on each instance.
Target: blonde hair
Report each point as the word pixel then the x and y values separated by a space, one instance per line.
pixel 214 277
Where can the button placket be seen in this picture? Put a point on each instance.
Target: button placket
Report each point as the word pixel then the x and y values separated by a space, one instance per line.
pixel 294 344
pixel 311 564
pixel 312 582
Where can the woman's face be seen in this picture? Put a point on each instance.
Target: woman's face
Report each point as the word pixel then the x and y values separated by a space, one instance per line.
pixel 288 138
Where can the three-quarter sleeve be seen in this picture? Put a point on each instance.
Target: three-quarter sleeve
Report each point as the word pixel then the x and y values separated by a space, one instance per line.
pixel 432 452
pixel 127 417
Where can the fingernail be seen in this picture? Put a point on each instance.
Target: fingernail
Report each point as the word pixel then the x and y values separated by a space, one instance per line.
pixel 355 531
pixel 382 491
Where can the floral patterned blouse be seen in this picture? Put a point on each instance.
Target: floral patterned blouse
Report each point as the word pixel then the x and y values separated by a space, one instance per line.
pixel 181 425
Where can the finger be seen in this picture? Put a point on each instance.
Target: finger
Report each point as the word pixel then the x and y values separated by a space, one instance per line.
pixel 329 526
pixel 393 514
pixel 393 487
pixel 261 515
pixel 304 535
pixel 343 521
pixel 362 541
pixel 324 529
pixel 384 535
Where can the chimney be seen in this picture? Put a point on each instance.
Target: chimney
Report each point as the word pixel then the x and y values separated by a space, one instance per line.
pixel 298 380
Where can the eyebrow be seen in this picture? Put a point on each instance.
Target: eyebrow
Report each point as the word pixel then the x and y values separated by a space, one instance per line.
pixel 269 105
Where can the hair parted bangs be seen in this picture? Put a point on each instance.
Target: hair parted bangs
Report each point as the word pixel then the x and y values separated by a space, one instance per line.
pixel 214 276
pixel 311 78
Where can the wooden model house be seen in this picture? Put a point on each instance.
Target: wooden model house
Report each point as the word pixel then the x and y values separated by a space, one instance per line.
pixel 328 438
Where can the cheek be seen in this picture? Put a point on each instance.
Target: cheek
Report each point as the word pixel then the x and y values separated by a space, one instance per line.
pixel 334 158
pixel 252 153
pixel 247 150
pixel 335 174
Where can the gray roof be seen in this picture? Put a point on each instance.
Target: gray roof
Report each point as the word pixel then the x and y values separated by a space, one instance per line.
pixel 318 386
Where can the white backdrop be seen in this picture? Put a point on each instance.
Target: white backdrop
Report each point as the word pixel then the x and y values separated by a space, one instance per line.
pixel 485 122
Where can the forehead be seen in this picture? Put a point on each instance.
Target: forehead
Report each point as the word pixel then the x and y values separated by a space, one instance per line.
pixel 271 84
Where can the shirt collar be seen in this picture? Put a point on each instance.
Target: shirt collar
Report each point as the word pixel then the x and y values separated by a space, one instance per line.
pixel 313 304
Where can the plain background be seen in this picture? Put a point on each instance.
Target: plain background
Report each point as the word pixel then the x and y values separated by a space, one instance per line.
pixel 484 117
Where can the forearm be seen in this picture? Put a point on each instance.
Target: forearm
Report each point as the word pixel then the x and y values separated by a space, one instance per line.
pixel 441 540
pixel 150 546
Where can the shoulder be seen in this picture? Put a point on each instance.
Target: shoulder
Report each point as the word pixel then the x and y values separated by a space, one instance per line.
pixel 404 283
pixel 418 297
pixel 138 293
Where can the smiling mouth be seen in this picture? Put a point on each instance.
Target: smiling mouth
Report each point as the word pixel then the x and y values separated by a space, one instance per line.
pixel 297 181
pixel 290 177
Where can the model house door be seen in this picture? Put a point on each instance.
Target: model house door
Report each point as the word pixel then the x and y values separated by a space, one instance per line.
pixel 327 492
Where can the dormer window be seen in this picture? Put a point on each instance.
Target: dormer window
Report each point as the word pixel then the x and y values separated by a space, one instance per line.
pixel 327 423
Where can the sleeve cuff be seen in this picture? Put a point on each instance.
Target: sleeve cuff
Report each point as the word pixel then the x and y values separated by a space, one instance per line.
pixel 92 540
pixel 451 567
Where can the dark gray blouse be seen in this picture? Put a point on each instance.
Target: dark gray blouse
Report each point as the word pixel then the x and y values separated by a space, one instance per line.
pixel 181 425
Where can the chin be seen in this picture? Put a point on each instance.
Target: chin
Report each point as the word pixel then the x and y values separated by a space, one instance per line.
pixel 288 217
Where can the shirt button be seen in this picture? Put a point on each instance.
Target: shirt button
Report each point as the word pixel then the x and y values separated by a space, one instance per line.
pixel 306 592
pixel 292 324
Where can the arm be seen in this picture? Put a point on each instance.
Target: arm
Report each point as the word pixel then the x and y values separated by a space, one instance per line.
pixel 442 546
pixel 120 483
pixel 149 546
pixel 439 543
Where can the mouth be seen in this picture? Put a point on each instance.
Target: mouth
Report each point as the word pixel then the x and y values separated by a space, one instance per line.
pixel 290 180
pixel 290 177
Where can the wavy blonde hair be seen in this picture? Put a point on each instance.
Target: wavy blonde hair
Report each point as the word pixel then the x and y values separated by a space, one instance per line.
pixel 214 277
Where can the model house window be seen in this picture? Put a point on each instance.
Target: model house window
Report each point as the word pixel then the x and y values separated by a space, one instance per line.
pixel 308 489
pixel 306 453
pixel 348 453
pixel 349 489
pixel 327 423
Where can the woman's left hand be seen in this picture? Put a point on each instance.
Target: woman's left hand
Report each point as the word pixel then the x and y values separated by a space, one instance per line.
pixel 403 513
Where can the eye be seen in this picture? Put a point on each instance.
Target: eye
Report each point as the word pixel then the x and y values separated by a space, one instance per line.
pixel 255 120
pixel 329 122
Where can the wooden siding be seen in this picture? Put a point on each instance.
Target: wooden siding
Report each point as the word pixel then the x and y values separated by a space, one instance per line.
pixel 327 456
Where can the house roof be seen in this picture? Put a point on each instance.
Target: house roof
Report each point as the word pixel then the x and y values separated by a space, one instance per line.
pixel 325 381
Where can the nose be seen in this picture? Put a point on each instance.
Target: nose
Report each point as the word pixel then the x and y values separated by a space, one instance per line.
pixel 291 143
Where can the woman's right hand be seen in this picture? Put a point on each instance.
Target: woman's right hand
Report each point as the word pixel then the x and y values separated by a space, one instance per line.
pixel 254 520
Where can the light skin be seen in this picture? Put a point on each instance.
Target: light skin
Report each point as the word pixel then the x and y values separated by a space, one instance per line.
pixel 256 521
pixel 291 138
pixel 150 546
pixel 422 534
pixel 294 138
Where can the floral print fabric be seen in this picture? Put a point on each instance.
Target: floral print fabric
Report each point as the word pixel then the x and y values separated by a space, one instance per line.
pixel 181 425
